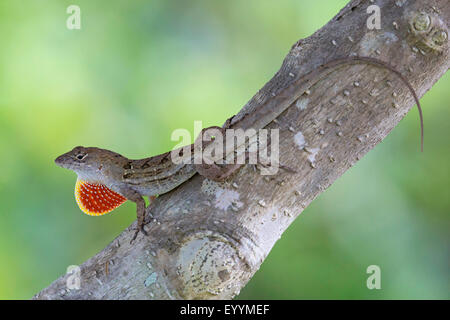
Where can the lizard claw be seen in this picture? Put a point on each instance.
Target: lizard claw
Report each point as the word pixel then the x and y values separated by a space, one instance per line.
pixel 288 169
pixel 150 219
pixel 139 229
pixel 134 237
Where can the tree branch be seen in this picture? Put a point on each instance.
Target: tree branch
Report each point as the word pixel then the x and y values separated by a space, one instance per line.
pixel 212 237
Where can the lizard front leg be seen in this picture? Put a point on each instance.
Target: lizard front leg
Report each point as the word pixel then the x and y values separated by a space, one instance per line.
pixel 140 213
pixel 140 210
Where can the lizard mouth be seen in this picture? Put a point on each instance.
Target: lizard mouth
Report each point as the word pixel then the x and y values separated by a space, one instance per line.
pixel 63 161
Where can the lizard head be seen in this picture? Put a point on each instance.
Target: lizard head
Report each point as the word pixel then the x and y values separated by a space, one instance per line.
pixel 96 169
pixel 90 163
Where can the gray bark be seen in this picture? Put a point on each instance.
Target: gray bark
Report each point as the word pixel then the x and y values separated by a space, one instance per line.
pixel 212 237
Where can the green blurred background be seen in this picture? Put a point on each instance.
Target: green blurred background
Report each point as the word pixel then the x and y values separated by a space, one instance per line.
pixel 136 71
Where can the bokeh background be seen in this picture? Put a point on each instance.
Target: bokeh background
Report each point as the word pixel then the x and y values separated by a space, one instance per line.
pixel 136 71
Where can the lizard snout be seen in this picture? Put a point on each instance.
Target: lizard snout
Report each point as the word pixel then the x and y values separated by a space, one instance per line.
pixel 62 161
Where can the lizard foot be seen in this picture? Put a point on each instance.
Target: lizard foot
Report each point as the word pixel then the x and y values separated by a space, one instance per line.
pixel 139 229
pixel 149 220
pixel 281 166
pixel 287 169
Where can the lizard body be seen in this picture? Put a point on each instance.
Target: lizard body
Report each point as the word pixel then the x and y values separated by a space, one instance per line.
pixel 106 179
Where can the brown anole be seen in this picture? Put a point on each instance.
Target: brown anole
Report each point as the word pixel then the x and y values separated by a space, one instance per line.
pixel 107 179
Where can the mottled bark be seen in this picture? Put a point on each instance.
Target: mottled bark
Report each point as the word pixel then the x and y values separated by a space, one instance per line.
pixel 212 237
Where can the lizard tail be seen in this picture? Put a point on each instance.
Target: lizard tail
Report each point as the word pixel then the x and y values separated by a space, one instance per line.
pixel 385 65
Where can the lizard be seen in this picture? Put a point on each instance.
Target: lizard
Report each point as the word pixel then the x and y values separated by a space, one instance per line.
pixel 107 179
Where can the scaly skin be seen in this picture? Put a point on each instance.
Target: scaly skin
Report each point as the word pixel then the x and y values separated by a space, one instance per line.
pixel 134 179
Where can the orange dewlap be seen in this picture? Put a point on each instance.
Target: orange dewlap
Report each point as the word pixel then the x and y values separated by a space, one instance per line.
pixel 96 199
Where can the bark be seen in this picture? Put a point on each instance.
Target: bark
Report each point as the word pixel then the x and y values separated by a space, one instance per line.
pixel 212 237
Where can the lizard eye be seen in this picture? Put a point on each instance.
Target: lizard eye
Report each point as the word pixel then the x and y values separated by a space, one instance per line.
pixel 81 156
